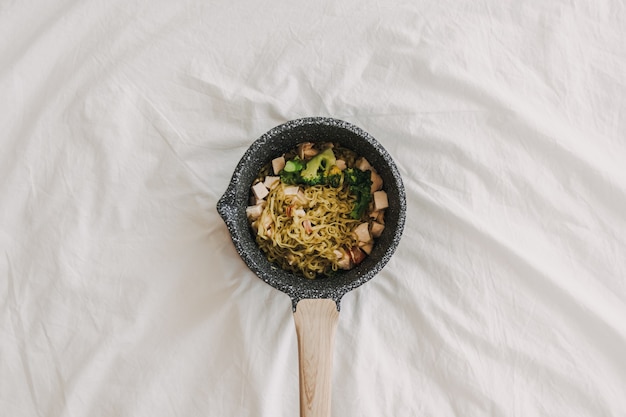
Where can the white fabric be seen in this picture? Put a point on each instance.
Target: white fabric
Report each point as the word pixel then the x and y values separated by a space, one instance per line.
pixel 121 293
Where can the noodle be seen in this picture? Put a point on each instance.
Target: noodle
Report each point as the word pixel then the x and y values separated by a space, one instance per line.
pixel 295 250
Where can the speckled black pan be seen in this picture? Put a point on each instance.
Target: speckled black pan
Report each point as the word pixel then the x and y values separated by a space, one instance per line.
pixel 232 205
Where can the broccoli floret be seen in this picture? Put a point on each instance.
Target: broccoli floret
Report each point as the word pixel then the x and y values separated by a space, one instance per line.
pixel 318 180
pixel 294 165
pixel 319 170
pixel 290 174
pixel 323 161
pixel 334 178
pixel 290 178
pixel 360 184
pixel 356 176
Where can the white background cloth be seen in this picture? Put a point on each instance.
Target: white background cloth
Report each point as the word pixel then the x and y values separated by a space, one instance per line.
pixel 121 122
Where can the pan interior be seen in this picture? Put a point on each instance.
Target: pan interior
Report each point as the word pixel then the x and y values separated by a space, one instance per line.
pixel 273 144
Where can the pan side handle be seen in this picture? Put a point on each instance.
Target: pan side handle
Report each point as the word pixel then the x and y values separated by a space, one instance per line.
pixel 316 325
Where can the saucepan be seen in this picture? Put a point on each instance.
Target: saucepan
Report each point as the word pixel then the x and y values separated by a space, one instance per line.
pixel 315 302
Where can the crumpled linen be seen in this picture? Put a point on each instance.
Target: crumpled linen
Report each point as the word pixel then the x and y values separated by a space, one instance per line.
pixel 121 293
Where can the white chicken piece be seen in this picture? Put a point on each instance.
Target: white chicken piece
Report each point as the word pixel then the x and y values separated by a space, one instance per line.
pixel 291 190
pixel 367 247
pixel 254 212
pixel 380 200
pixel 306 151
pixel 357 255
pixel 362 232
pixel 278 164
pixel 301 198
pixel 377 229
pixel 343 260
pixel 260 190
pixel 363 165
pixel 377 182
pixel 344 263
pixel 271 182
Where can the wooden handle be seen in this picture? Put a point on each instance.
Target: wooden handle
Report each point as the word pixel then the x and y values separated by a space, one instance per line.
pixel 316 322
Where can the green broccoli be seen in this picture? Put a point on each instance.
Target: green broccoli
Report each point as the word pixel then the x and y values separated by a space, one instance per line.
pixel 323 161
pixel 294 165
pixel 360 184
pixel 319 170
pixel 334 178
pixel 319 180
pixel 290 174
pixel 290 178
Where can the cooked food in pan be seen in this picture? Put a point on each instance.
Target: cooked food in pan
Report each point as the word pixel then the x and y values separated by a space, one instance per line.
pixel 317 209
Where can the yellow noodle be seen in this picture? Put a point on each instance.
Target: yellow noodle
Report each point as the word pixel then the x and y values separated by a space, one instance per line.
pixel 287 242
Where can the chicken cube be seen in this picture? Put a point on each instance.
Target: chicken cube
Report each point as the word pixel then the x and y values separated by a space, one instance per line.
pixel 363 164
pixel 271 181
pixel 306 150
pixel 377 182
pixel 362 232
pixel 367 247
pixel 357 255
pixel 343 259
pixel 344 263
pixel 380 200
pixel 260 190
pixel 301 198
pixel 254 212
pixel 291 190
pixel 278 164
pixel 377 229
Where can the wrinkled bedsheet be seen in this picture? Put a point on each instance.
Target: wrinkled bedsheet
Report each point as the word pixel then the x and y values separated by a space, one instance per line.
pixel 121 293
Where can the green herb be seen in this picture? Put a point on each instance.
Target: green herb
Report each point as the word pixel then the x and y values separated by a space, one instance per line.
pixel 360 183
